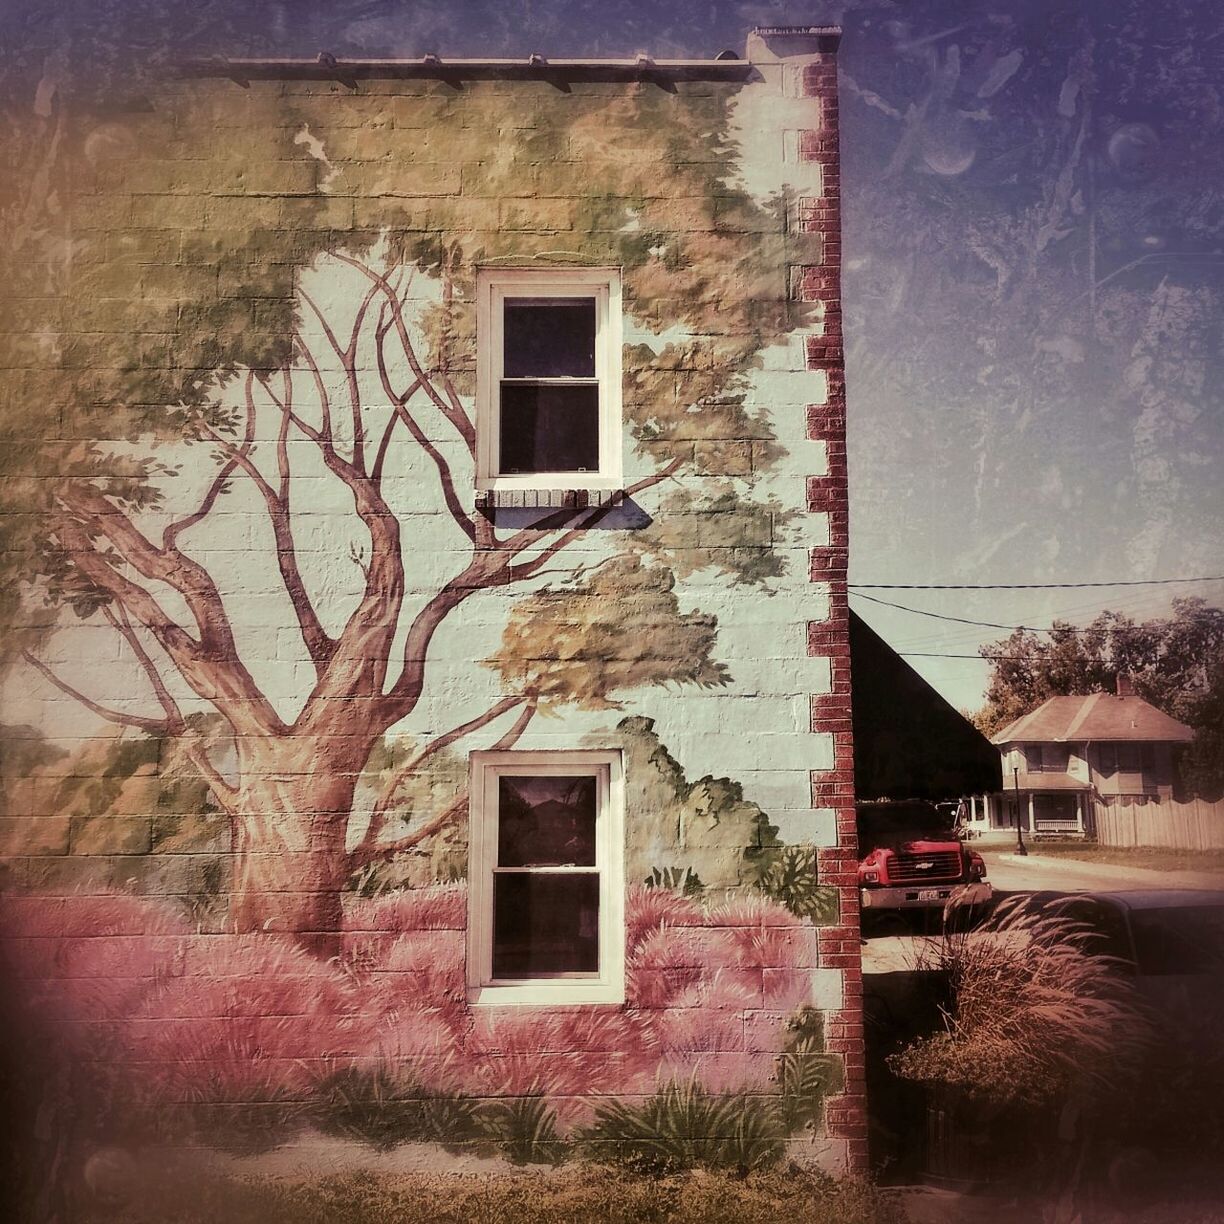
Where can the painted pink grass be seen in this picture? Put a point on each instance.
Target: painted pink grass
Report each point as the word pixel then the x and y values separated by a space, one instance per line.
pixel 127 981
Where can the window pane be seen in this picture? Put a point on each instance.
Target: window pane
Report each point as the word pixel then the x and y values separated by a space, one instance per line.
pixel 549 429
pixel 549 338
pixel 545 924
pixel 546 822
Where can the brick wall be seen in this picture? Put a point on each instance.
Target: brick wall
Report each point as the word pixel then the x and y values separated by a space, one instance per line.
pixel 840 945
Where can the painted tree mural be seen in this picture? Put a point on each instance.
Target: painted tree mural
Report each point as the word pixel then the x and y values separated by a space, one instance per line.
pixel 256 617
pixel 287 389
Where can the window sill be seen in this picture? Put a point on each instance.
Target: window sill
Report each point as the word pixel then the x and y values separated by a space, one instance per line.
pixel 546 994
pixel 523 498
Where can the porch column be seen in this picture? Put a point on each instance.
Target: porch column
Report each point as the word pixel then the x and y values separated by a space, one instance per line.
pixel 1079 811
pixel 973 809
pixel 1032 817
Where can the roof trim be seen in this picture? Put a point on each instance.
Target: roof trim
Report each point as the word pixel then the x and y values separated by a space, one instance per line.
pixel 328 67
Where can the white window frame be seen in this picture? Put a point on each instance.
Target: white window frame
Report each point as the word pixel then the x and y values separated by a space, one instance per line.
pixel 608 985
pixel 493 286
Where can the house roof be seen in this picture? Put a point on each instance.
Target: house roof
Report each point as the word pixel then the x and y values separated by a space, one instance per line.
pixel 1046 782
pixel 1098 716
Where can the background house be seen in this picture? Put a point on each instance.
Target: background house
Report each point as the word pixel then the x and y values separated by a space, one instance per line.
pixel 1071 756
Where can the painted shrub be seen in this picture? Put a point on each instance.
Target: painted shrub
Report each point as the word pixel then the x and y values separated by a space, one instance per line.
pixel 262 619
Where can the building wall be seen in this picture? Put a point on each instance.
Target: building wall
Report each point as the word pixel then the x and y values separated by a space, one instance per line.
pixel 259 652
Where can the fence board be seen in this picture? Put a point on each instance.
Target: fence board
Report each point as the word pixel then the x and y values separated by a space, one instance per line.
pixel 1190 825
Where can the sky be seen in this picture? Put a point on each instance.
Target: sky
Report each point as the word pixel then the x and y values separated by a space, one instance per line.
pixel 1034 272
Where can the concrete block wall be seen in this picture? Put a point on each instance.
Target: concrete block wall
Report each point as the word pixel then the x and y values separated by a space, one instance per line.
pixel 236 828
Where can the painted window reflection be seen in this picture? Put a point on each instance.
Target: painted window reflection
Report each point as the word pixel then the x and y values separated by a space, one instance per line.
pixel 545 888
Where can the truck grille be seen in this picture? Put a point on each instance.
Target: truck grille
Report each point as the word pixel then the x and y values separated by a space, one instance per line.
pixel 913 869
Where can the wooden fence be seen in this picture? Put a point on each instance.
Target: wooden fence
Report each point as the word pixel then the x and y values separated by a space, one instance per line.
pixel 1192 825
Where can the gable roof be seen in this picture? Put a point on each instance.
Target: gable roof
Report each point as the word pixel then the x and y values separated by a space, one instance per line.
pixel 1098 716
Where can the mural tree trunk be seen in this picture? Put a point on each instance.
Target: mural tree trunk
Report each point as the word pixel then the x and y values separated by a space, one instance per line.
pixel 289 816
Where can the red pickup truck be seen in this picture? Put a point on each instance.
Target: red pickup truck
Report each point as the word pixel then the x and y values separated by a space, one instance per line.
pixel 910 857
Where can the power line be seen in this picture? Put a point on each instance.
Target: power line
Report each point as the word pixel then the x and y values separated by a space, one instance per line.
pixel 1022 586
pixel 961 620
pixel 925 654
pixel 944 638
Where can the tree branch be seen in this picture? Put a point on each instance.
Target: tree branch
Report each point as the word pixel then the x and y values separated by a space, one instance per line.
pixel 454 414
pixel 515 733
pixel 123 625
pixel 380 457
pixel 452 812
pixel 485 571
pixel 210 664
pixel 378 816
pixel 398 403
pixel 319 645
pixel 156 725
pixel 348 361
pixel 224 793
pixel 174 530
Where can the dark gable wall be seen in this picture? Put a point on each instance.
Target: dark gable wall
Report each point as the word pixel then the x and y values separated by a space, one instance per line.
pixel 909 743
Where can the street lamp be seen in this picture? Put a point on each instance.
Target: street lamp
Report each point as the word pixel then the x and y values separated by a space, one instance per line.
pixel 1020 846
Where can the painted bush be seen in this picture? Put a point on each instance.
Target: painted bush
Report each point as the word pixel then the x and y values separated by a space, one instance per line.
pixel 257 619
pixel 227 1025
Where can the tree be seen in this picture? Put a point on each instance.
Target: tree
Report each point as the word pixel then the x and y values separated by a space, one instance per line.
pixel 384 362
pixel 1176 663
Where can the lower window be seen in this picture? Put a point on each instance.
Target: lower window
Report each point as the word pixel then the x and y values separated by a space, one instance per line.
pixel 546 878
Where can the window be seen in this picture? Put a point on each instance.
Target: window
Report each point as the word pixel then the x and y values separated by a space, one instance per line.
pixel 1047 758
pixel 1121 758
pixel 548 378
pixel 546 878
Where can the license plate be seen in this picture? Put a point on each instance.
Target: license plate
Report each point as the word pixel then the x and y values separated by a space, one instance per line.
pixel 928 894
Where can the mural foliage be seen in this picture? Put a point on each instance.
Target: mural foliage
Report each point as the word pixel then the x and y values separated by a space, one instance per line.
pixel 258 619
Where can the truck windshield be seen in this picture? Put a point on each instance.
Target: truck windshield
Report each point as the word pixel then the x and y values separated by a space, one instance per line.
pixel 890 826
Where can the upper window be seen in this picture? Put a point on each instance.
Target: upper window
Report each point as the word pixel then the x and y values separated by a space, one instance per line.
pixel 1047 758
pixel 546 878
pixel 548 378
pixel 1125 758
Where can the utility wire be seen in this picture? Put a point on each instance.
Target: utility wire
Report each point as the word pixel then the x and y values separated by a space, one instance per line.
pixel 925 654
pixel 1021 586
pixel 961 620
pixel 928 636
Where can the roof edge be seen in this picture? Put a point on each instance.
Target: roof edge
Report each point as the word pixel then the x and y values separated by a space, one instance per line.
pixel 326 67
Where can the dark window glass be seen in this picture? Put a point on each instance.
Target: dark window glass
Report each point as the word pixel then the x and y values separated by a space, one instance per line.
pixel 545 924
pixel 549 338
pixel 549 428
pixel 1105 928
pixel 1180 940
pixel 546 821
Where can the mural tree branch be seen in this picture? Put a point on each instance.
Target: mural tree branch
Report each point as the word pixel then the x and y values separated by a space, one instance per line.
pixel 377 364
